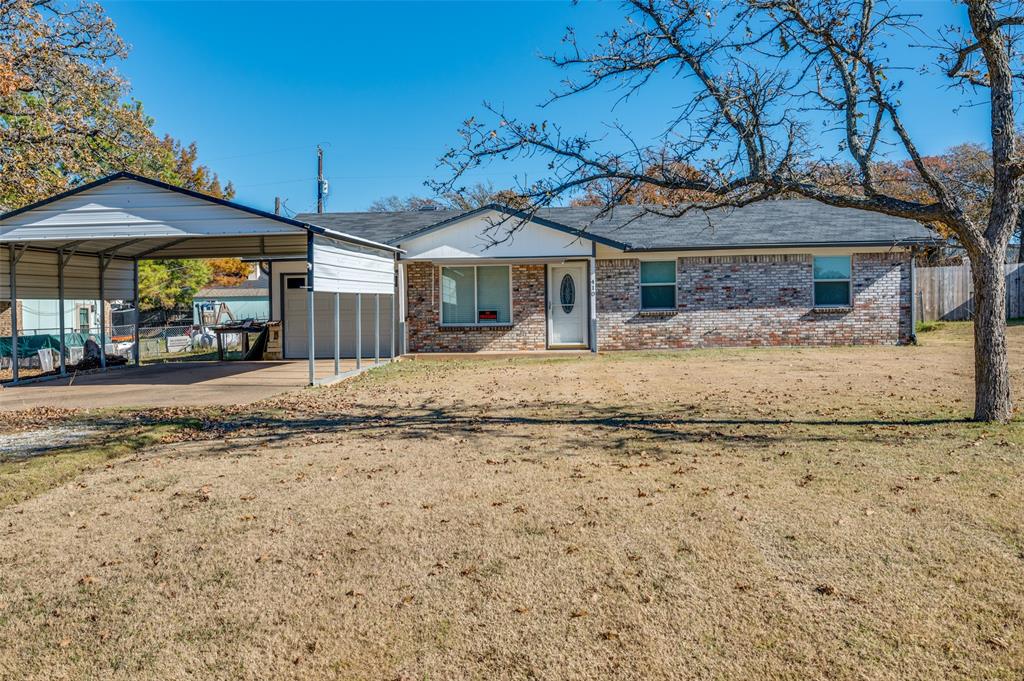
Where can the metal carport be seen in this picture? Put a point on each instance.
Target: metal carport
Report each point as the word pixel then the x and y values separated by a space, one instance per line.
pixel 88 242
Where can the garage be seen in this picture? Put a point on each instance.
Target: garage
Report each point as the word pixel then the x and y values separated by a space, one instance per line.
pixel 86 243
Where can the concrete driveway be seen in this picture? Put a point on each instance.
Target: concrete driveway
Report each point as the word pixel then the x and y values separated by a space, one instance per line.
pixel 168 385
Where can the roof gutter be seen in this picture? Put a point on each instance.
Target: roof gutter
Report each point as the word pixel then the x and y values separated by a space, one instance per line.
pixel 811 244
pixel 349 238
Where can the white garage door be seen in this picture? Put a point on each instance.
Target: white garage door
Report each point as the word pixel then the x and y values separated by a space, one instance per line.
pixel 296 335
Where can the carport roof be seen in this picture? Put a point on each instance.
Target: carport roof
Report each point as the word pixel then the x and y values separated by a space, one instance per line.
pixel 129 216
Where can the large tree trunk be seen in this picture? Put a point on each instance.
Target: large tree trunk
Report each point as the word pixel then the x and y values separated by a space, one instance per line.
pixel 991 369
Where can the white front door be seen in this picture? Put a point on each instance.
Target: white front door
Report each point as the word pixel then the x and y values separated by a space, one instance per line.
pixel 567 305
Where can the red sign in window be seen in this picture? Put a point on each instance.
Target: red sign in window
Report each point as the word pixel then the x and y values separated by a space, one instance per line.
pixel 488 316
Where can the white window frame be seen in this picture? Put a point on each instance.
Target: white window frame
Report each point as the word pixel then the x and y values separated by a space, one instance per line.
pixel 675 286
pixel 848 281
pixel 476 309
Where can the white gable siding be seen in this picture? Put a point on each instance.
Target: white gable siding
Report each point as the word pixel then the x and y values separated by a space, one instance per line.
pixel 131 210
pixel 474 238
pixel 344 268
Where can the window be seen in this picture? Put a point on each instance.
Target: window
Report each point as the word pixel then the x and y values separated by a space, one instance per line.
pixel 658 285
pixel 567 294
pixel 83 319
pixel 832 281
pixel 476 295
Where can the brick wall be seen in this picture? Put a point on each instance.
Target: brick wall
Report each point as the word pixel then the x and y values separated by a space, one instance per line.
pixel 528 330
pixel 5 318
pixel 756 300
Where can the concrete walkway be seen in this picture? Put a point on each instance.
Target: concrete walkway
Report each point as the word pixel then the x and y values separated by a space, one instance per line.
pixel 169 385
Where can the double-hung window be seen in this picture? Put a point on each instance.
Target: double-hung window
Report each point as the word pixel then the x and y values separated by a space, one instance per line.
pixel 476 295
pixel 832 281
pixel 658 285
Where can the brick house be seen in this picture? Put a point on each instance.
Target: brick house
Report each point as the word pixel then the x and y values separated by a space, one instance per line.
pixel 788 272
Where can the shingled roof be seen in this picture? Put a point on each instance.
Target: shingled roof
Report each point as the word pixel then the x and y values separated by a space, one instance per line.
pixel 771 224
pixel 250 288
pixel 389 228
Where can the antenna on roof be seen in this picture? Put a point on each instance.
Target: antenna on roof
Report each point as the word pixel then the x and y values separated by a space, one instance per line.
pixel 321 183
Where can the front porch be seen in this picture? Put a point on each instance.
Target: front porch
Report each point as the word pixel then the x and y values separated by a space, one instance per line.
pixel 499 306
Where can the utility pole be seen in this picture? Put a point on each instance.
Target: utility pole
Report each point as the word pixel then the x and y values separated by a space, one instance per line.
pixel 277 205
pixel 319 179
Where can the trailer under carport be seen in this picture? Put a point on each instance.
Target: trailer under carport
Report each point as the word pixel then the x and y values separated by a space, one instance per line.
pixel 87 243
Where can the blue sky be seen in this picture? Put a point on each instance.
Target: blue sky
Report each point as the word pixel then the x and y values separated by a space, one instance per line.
pixel 384 87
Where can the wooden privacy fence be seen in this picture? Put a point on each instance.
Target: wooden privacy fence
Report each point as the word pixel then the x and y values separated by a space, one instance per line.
pixel 947 294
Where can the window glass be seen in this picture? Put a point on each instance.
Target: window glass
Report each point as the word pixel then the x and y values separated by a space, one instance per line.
pixel 492 294
pixel 657 297
pixel 663 272
pixel 457 304
pixel 567 293
pixel 832 267
pixel 831 293
pixel 832 280
pixel 658 285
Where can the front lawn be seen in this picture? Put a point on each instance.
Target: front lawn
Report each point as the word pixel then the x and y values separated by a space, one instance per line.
pixel 784 513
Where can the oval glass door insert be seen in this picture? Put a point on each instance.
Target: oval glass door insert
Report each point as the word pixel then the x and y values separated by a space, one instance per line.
pixel 567 293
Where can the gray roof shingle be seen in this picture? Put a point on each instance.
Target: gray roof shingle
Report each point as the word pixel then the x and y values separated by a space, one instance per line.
pixel 791 222
pixel 250 288
pixel 385 228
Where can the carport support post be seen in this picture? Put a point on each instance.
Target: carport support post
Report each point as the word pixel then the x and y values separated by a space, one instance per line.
pixel 376 328
pixel 359 331
pixel 138 313
pixel 12 275
pixel 337 333
pixel 394 324
pixel 103 316
pixel 310 312
pixel 60 311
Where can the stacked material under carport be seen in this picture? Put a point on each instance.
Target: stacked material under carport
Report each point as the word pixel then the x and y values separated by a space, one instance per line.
pixel 89 241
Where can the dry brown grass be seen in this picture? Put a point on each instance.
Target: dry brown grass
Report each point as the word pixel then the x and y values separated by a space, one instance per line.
pixel 742 514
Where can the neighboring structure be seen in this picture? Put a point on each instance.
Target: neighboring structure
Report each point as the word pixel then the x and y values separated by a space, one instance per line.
pixel 788 272
pixel 43 316
pixel 220 304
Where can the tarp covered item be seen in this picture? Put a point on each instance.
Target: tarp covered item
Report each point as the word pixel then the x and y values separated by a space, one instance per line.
pixel 30 345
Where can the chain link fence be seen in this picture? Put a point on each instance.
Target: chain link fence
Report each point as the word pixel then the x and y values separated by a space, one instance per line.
pixel 39 349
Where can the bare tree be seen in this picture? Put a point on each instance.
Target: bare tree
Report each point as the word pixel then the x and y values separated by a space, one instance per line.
pixel 763 84
pixel 465 199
